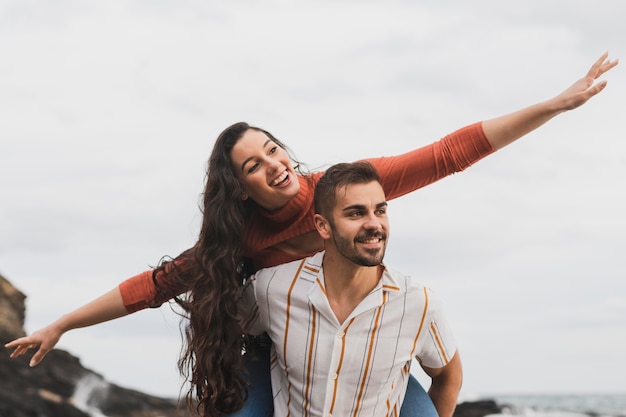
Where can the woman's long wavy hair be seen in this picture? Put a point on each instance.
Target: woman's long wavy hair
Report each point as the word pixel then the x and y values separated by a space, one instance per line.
pixel 211 359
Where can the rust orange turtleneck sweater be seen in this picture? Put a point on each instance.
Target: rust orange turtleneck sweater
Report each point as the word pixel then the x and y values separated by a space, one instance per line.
pixel 399 175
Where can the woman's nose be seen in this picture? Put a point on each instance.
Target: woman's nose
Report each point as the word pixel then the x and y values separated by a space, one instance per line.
pixel 274 165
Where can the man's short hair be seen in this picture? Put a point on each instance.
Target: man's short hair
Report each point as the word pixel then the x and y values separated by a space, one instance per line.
pixel 340 176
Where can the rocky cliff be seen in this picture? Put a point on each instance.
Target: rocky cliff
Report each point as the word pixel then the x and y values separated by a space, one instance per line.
pixel 60 386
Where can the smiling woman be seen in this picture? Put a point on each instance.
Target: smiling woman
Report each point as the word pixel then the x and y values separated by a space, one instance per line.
pixel 258 212
pixel 265 170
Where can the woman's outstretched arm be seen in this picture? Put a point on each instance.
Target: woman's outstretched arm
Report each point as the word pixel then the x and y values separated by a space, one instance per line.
pixel 402 174
pixel 504 130
pixel 107 307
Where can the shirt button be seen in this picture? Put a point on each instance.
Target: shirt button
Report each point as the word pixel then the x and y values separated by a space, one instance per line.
pixel 333 376
pixel 340 335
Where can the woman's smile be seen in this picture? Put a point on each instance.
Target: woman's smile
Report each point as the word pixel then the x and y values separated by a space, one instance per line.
pixel 265 170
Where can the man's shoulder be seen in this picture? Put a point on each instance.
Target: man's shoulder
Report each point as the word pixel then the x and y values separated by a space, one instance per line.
pixel 307 266
pixel 394 278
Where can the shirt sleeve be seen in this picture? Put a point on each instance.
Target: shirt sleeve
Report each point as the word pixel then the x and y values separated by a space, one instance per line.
pixel 410 171
pixel 437 345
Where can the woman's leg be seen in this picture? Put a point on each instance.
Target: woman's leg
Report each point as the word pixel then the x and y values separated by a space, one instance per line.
pixel 417 403
pixel 260 401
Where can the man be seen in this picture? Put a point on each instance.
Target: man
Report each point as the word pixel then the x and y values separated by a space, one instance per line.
pixel 345 328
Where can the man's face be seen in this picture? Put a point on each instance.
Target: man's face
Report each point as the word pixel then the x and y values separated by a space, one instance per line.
pixel 359 223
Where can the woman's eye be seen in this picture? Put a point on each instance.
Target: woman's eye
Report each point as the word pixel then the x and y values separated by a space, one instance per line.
pixel 273 149
pixel 253 168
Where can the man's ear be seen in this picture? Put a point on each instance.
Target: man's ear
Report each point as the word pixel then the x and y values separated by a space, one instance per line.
pixel 322 226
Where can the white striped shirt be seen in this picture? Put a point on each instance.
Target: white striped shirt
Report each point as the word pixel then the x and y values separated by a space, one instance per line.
pixel 357 368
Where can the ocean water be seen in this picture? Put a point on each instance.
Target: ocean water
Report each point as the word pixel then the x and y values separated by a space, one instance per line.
pixel 594 405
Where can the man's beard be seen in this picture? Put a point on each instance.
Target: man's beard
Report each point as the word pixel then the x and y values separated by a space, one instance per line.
pixel 348 248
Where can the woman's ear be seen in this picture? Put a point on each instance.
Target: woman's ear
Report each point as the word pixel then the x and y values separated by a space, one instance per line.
pixel 322 226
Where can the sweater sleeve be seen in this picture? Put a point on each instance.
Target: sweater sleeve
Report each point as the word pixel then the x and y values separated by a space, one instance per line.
pixel 137 291
pixel 455 152
pixel 153 287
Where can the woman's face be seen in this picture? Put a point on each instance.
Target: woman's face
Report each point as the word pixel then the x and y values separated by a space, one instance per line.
pixel 265 170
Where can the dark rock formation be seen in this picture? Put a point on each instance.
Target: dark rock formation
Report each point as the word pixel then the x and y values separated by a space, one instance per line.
pixel 60 386
pixel 11 310
pixel 477 409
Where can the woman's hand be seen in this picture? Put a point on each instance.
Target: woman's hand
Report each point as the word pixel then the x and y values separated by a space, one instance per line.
pixel 583 89
pixel 506 129
pixel 45 339
pixel 107 307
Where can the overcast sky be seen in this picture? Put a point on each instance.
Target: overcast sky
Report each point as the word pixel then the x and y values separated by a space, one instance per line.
pixel 108 112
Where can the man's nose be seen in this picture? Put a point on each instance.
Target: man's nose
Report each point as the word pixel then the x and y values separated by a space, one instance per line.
pixel 372 222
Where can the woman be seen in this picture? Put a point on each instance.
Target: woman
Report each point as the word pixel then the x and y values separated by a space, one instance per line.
pixel 257 208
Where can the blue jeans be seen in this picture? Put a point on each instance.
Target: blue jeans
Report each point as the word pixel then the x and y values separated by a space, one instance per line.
pixel 260 402
pixel 416 402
